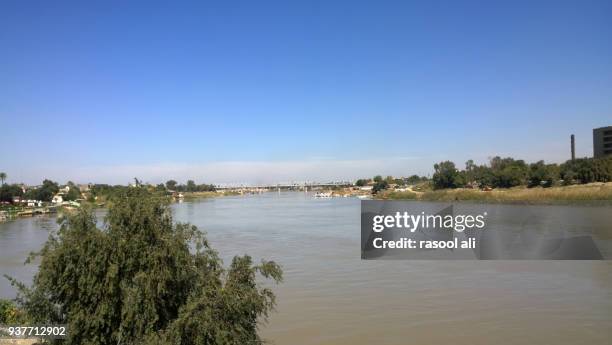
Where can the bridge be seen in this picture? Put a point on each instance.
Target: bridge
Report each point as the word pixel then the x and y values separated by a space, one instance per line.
pixel 285 186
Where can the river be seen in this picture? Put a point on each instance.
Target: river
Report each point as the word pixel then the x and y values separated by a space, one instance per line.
pixel 331 296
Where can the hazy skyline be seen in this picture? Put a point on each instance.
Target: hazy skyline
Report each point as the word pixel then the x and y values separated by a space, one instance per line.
pixel 264 92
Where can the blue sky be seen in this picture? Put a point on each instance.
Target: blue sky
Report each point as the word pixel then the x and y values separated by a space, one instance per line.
pixel 260 91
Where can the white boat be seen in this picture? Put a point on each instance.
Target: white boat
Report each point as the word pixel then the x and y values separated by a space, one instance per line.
pixel 323 195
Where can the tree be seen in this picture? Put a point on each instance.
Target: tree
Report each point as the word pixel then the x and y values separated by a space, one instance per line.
pixel 414 179
pixel 361 182
pixel 8 191
pixel 446 176
pixel 171 184
pixel 137 282
pixel 380 185
pixel 10 314
pixel 541 174
pixel 44 192
pixel 206 188
pixel 191 186
pixel 2 177
pixel 73 194
pixel 470 167
pixel 510 176
pixel 377 178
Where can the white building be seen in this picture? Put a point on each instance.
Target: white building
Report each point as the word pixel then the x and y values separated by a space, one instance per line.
pixel 34 203
pixel 57 199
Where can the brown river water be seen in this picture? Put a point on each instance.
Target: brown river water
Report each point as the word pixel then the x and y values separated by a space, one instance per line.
pixel 331 296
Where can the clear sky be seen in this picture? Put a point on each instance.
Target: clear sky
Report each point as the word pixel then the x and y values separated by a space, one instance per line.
pixel 260 91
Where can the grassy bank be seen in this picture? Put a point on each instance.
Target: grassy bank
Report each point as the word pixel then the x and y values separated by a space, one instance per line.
pixel 592 192
pixel 200 195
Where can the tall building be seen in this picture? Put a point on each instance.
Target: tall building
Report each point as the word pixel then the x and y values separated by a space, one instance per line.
pixel 602 142
pixel 573 146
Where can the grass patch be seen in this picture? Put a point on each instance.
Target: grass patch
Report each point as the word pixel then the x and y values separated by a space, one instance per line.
pixel 593 192
pixel 399 195
pixel 200 195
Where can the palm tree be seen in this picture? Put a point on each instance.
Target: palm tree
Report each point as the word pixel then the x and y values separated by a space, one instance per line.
pixel 2 177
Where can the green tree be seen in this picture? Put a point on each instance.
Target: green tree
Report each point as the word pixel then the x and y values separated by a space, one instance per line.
pixel 510 176
pixel 446 176
pixel 414 179
pixel 380 185
pixel 191 186
pixel 2 177
pixel 8 191
pixel 44 192
pixel 73 193
pixel 171 184
pixel 138 282
pixel 377 178
pixel 206 188
pixel 10 314
pixel 470 168
pixel 541 174
pixel 361 182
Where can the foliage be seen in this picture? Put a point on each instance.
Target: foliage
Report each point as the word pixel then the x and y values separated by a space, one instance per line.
pixel 73 192
pixel 171 184
pixel 8 191
pixel 137 281
pixel 541 174
pixel 446 176
pixel 2 177
pixel 380 185
pixel 415 179
pixel 509 172
pixel 361 182
pixel 107 190
pixel 586 170
pixel 44 192
pixel 191 186
pixel 10 314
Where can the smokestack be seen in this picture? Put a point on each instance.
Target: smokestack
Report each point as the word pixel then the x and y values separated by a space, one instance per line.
pixel 573 147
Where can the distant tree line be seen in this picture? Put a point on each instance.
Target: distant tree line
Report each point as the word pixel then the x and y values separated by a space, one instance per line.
pixel 191 186
pixel 49 189
pixel 45 192
pixel 379 183
pixel 509 172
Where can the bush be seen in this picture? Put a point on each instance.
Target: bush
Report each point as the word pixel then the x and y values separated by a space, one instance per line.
pixel 10 314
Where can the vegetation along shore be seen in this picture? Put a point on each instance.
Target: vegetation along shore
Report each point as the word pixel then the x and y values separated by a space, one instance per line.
pixel 514 181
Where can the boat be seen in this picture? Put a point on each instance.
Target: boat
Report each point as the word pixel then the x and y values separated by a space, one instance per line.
pixel 323 195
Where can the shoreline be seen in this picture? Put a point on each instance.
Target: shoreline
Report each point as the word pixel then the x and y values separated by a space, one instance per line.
pixel 597 193
pixel 19 212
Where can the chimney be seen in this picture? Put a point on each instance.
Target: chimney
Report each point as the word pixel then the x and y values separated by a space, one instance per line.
pixel 573 143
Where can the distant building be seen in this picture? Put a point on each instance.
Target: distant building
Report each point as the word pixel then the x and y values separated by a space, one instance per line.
pixel 602 142
pixel 57 199
pixel 34 203
pixel 84 188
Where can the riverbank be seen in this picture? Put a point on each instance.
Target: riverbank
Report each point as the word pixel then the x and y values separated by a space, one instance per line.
pixel 587 193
